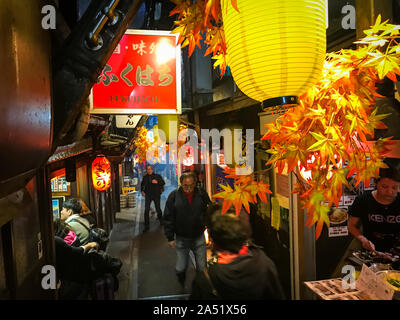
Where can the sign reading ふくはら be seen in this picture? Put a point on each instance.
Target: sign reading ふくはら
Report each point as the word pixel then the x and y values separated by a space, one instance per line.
pixel 141 77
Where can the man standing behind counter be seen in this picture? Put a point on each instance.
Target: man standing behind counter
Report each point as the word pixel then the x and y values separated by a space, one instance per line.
pixel 379 212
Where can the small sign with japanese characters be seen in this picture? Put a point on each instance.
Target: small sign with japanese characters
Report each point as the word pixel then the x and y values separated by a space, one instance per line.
pixel 143 76
pixel 127 121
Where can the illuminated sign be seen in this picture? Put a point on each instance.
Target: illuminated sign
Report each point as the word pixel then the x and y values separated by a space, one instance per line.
pixel 143 76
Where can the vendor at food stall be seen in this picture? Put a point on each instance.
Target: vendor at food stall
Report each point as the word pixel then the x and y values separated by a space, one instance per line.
pixel 379 212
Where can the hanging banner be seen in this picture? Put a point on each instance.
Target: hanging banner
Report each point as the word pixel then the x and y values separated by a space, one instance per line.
pixel 275 213
pixel 143 76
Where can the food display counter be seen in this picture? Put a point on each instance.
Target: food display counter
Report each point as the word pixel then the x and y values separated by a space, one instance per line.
pixel 368 285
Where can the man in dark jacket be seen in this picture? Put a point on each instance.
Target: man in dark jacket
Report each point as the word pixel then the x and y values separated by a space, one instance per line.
pixel 184 224
pixel 151 187
pixel 239 270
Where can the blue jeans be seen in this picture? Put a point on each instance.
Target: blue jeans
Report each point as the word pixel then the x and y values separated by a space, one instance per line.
pixel 183 247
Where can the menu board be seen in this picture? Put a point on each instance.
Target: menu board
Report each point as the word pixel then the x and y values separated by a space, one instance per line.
pixel 333 290
pixel 59 185
pixel 368 286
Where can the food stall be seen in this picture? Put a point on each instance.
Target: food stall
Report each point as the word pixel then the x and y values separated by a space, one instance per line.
pixel 369 284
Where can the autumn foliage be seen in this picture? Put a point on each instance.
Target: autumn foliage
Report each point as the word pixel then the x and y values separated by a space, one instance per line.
pixel 245 191
pixel 198 19
pixel 144 147
pixel 327 133
pixel 142 144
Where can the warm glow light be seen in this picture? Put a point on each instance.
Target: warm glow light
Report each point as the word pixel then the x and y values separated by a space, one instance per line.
pixel 101 173
pixel 150 136
pixel 275 48
pixel 165 51
pixel 206 236
pixel 307 175
pixel 189 160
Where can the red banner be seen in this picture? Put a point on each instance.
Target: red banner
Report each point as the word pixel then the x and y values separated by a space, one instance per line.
pixel 141 77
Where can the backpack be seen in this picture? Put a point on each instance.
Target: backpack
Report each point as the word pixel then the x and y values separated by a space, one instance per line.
pixel 96 235
pixel 104 271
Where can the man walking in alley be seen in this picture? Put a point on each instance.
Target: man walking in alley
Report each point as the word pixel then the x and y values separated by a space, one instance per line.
pixel 184 224
pixel 152 187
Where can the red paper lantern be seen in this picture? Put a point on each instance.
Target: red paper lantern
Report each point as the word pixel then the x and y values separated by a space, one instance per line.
pixel 101 173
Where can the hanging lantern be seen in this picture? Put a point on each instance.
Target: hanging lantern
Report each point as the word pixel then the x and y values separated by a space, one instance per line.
pixel 275 48
pixel 167 123
pixel 101 173
pixel 188 161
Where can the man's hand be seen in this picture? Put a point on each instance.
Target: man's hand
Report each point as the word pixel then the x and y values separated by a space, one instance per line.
pixel 154 181
pixel 90 245
pixel 366 243
pixel 172 244
pixel 143 194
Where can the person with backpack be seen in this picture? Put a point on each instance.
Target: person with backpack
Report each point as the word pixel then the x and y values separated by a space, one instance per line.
pixel 152 186
pixel 70 213
pixel 184 224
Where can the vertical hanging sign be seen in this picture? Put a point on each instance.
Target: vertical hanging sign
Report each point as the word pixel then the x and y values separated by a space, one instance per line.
pixel 143 76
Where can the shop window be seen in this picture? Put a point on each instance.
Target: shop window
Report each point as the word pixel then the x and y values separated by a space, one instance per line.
pixel 60 188
pixel 59 184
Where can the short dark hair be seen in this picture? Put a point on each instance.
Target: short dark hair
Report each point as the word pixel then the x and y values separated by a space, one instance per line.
pixel 73 204
pixel 393 170
pixel 226 230
pixel 188 174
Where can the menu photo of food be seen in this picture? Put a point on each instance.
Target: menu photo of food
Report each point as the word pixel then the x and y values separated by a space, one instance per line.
pixel 338 215
pixel 338 222
pixel 333 290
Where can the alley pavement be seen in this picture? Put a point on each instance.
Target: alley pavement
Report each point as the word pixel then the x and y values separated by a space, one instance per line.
pixel 148 271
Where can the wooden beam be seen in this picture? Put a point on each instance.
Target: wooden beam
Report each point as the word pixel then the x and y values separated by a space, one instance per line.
pixel 368 10
pixel 231 105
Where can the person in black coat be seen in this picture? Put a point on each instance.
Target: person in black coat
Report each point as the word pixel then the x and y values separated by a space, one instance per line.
pixel 378 211
pixel 78 267
pixel 239 269
pixel 184 224
pixel 152 186
pixel 73 268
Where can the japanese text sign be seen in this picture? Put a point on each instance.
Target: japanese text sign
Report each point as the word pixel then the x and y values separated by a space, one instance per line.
pixel 143 76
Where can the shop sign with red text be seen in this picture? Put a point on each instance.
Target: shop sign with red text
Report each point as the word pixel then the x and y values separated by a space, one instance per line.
pixel 143 76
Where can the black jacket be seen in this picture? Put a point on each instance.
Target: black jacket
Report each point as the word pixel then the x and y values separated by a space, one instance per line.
pixel 152 189
pixel 74 265
pixel 249 277
pixel 183 219
pixel 71 262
